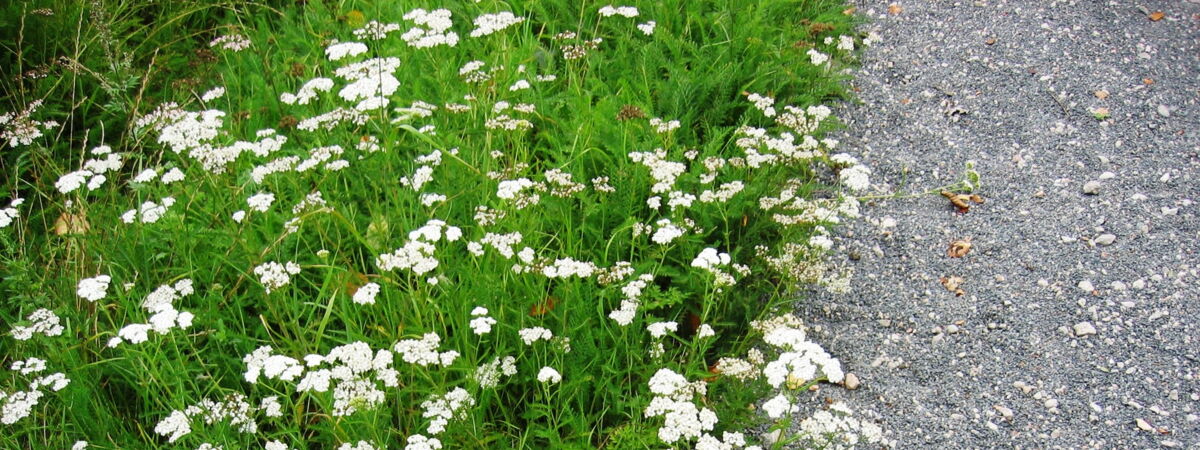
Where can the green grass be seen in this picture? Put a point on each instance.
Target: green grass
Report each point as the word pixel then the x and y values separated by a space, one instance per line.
pixel 702 60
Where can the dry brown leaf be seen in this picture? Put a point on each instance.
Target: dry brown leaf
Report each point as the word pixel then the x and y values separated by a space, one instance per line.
pixel 1147 81
pixel 1101 94
pixel 68 223
pixel 543 307
pixel 959 248
pixel 1156 16
pixel 850 11
pixel 962 201
pixel 952 283
pixel 894 9
pixel 990 41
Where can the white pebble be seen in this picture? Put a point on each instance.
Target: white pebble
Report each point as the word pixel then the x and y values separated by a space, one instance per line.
pixel 1091 187
pixel 1086 286
pixel 1107 176
pixel 1105 239
pixel 1084 329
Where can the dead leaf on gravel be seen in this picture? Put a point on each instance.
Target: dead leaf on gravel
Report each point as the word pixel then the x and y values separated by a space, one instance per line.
pixel 952 283
pixel 1147 81
pixel 68 223
pixel 1156 16
pixel 959 248
pixel 850 11
pixel 1101 94
pixel 962 201
pixel 894 9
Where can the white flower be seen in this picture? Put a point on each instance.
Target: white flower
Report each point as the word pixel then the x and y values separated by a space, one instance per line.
pixel 261 201
pixel 490 23
pixel 660 329
pixel 172 176
pixel 419 442
pixel 79 445
pixel 856 177
pixel 549 375
pixel 175 425
pixel 274 275
pixel 72 181
pixel 647 28
pixel 365 295
pixel 778 406
pixel 94 288
pixel 341 50
pixel 817 58
pixel 531 335
pixel 821 241
pixel 625 11
pixel 239 216
pixel 275 445
pixel 43 321
pixel 705 331
pixel 213 94
pixel 7 215
pixel 519 85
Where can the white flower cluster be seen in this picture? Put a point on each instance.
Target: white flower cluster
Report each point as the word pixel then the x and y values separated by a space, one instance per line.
pixel 662 170
pixel 490 23
pixel 506 122
pixel 664 127
pixel 365 295
pixel 339 50
pixel 431 29
pixel 332 119
pixel 674 401
pixel 488 375
pixel 261 362
pixel 371 80
pixel 534 334
pixel 549 376
pixel 20 129
pixel 213 94
pixel 424 172
pixel 374 30
pixel 148 212
pixel 440 409
pixel 762 103
pixel 567 267
pixel 9 214
pixel 834 429
pixel 709 260
pixel 647 28
pixel 423 352
pixel 521 191
pixel 42 321
pixel 801 360
pixel 92 173
pixel 629 305
pixel 624 11
pixel 817 58
pixel 308 91
pixel 18 405
pixel 417 253
pixel 723 193
pixel 164 317
pixel 503 243
pixel 666 232
pixel 231 42
pixel 420 442
pixel 261 201
pixel 234 410
pixel 481 323
pixel 779 406
pixel 274 275
pixel 94 288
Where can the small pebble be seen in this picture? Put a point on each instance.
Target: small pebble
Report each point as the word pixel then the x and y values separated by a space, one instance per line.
pixel 1105 239
pixel 1118 285
pixel 1051 403
pixel 1006 413
pixel 1084 329
pixel 952 329
pixel 1107 176
pixel 1086 286
pixel 851 381
pixel 1164 111
pixel 1091 187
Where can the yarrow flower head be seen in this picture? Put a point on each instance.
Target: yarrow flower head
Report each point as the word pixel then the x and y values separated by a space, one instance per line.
pixel 549 376
pixel 94 288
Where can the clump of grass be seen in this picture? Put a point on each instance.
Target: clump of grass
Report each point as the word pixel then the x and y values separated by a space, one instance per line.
pixel 547 225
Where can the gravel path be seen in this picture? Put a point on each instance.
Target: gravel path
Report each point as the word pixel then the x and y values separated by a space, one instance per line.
pixel 1079 325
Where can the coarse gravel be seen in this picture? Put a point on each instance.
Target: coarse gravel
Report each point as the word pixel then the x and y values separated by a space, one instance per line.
pixel 1079 322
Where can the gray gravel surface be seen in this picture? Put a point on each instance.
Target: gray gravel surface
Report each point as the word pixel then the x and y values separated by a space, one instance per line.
pixel 1079 325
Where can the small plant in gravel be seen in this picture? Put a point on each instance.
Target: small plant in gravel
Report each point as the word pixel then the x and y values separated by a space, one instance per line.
pixel 473 226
